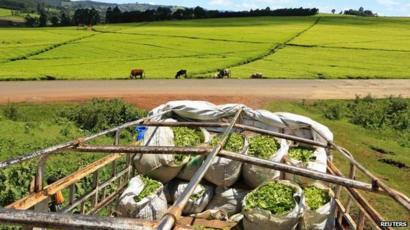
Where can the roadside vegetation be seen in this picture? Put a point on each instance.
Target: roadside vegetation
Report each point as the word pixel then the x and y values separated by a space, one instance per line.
pixel 376 131
pixel 312 47
pixel 28 127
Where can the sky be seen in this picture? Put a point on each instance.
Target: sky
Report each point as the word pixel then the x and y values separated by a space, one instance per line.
pixel 382 7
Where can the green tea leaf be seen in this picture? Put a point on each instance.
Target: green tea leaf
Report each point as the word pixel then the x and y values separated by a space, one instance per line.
pixel 274 197
pixel 315 197
pixel 262 146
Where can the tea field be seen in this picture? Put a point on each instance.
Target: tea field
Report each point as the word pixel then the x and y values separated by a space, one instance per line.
pixel 278 47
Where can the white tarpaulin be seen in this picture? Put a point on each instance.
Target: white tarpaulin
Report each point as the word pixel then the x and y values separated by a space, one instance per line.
pixel 204 111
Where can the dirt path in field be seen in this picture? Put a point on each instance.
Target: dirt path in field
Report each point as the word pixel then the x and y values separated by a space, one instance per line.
pixel 149 93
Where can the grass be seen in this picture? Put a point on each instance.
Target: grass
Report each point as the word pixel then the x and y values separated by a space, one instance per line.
pixel 278 47
pixel 6 14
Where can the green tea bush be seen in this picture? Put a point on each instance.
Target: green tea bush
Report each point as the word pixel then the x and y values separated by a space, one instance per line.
pixel 235 142
pixel 99 114
pixel 150 186
pixel 315 197
pixel 301 154
pixel 274 197
pixel 262 146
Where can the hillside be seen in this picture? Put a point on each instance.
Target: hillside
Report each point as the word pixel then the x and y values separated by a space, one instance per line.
pixel 318 47
pixel 72 5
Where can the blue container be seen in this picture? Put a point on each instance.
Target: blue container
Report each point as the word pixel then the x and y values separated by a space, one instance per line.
pixel 140 132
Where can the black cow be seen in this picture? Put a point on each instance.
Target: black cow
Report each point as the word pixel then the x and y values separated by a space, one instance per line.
pixel 181 73
pixel 222 73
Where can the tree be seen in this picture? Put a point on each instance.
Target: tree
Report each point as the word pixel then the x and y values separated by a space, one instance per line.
pixel 65 19
pixel 43 18
pixel 55 21
pixel 333 11
pixel 31 21
pixel 199 12
pixel 108 15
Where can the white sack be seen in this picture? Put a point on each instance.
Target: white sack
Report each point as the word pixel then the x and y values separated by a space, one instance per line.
pixel 205 111
pixel 255 175
pixel 228 201
pixel 322 218
pixel 176 188
pixel 158 166
pixel 152 207
pixel 259 219
pixel 319 164
pixel 224 172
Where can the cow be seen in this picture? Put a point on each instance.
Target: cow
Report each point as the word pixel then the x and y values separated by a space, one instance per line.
pixel 137 73
pixel 181 73
pixel 222 73
pixel 257 76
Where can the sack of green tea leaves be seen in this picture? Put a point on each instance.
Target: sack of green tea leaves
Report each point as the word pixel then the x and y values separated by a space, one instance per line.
pixel 186 138
pixel 225 172
pixel 198 200
pixel 320 207
pixel 143 198
pixel 275 205
pixel 306 157
pixel 267 148
pixel 165 167
pixel 224 204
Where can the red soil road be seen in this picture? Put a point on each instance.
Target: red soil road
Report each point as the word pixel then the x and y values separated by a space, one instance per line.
pixel 150 93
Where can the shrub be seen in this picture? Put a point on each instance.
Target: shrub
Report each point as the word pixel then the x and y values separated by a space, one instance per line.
pixel 11 112
pixel 333 112
pixel 98 114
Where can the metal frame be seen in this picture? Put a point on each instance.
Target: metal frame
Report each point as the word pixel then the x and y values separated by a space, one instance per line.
pixel 17 213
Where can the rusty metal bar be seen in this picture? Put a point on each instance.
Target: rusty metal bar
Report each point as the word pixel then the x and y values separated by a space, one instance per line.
pixel 90 194
pixel 241 126
pixel 175 211
pixel 234 156
pixel 35 198
pixel 400 198
pixel 74 222
pixel 65 145
pixel 372 214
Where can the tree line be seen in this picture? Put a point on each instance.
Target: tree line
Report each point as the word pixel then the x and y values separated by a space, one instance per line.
pixel 46 17
pixel 114 15
pixel 360 12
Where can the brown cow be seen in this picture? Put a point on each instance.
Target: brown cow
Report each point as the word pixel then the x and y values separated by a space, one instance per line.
pixel 137 72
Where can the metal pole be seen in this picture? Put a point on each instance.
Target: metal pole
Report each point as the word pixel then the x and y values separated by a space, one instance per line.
pixel 234 156
pixel 175 211
pixel 403 200
pixel 67 221
pixel 65 145
pixel 241 126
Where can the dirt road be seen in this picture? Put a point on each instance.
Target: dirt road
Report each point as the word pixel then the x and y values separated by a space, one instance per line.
pixel 149 93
